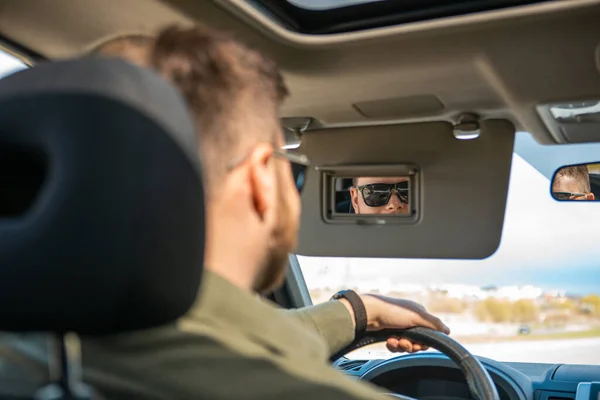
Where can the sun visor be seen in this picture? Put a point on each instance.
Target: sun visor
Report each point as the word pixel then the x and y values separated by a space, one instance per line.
pixel 457 190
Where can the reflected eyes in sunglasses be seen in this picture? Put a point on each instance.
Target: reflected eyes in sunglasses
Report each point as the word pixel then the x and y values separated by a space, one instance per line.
pixel 378 194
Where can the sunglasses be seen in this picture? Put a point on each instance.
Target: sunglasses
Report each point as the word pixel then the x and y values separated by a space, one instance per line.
pixel 566 195
pixel 299 164
pixel 379 194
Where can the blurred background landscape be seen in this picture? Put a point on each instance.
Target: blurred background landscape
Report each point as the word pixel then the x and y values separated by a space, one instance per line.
pixel 506 323
pixel 487 313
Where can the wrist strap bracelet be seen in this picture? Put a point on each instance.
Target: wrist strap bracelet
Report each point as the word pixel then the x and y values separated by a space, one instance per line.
pixel 360 312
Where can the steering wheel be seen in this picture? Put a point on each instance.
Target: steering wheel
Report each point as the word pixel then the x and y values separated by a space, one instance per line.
pixel 480 383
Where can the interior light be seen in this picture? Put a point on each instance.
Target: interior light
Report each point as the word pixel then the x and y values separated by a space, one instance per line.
pixel 576 111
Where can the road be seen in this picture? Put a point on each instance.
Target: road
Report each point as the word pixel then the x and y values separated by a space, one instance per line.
pixel 568 351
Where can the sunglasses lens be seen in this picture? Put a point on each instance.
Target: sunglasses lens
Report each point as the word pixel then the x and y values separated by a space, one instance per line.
pixel 402 191
pixel 299 173
pixel 561 196
pixel 403 196
pixel 376 195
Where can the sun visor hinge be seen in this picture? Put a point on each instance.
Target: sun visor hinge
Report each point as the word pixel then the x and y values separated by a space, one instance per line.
pixel 466 126
pixel 293 130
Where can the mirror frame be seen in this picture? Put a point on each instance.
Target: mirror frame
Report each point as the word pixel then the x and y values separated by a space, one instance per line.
pixel 329 175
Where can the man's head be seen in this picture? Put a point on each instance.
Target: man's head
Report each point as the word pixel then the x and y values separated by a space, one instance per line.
pixel 572 183
pixel 383 195
pixel 234 94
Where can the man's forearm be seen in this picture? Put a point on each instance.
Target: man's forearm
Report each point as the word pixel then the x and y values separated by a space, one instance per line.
pixel 333 321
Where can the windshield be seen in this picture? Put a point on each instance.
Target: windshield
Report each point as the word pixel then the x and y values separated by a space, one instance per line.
pixel 537 299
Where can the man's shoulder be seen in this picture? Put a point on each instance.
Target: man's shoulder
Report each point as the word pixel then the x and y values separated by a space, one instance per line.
pixel 172 364
pixel 167 363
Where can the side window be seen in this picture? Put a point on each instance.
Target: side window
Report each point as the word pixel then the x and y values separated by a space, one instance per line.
pixel 9 63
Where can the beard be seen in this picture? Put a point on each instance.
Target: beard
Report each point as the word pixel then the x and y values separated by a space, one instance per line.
pixel 283 241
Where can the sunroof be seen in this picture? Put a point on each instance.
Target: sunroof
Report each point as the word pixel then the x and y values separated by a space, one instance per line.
pixel 328 4
pixel 319 17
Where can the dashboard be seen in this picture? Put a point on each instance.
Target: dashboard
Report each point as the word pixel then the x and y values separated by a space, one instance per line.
pixel 433 376
pixel 588 391
pixel 426 383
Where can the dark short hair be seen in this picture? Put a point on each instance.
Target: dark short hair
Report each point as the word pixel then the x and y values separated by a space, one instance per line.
pixel 579 173
pixel 225 84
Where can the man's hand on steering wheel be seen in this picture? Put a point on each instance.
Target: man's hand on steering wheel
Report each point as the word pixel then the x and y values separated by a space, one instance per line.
pixel 391 313
pixel 404 325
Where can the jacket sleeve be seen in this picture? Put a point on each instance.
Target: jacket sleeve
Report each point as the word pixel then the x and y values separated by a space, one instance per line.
pixel 330 320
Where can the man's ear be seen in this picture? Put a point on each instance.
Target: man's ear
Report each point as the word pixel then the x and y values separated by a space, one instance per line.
pixel 590 196
pixel 354 198
pixel 262 180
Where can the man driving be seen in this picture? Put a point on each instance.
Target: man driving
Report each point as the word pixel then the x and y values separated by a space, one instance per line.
pixel 572 183
pixel 232 344
pixel 383 195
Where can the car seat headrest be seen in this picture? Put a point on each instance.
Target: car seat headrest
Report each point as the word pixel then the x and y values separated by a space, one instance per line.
pixel 101 200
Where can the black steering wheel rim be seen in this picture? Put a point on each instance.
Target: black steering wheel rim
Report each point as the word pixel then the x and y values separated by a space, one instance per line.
pixel 480 382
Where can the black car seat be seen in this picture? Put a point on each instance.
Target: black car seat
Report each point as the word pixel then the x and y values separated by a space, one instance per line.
pixel 101 206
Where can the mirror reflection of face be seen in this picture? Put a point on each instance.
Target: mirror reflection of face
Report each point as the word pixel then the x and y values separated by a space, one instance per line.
pixel 381 195
pixel 572 183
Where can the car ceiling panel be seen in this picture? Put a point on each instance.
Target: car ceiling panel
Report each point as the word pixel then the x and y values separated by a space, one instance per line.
pixel 499 64
pixel 63 28
pixel 527 55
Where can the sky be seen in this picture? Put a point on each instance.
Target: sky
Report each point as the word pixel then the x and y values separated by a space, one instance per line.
pixel 547 158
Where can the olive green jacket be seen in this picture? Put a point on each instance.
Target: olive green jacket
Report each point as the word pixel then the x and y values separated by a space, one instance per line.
pixel 231 345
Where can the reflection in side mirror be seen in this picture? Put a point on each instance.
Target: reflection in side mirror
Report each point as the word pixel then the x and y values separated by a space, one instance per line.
pixel 373 195
pixel 577 183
